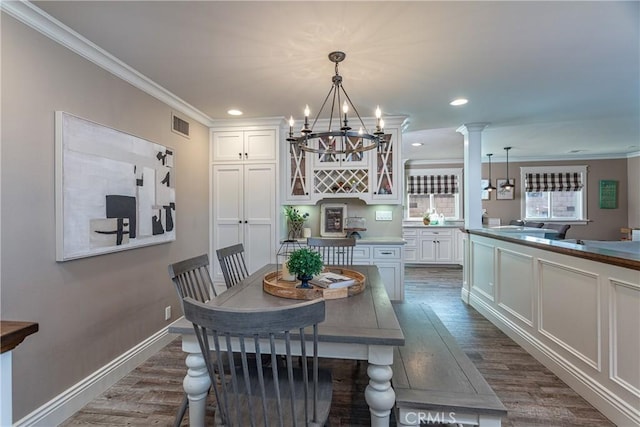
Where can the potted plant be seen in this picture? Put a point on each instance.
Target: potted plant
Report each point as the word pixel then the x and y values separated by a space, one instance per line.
pixel 426 218
pixel 305 263
pixel 295 221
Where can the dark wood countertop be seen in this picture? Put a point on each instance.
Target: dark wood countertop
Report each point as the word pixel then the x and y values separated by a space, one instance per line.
pixel 13 332
pixel 607 256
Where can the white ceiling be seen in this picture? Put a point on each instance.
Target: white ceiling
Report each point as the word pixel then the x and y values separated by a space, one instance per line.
pixel 550 77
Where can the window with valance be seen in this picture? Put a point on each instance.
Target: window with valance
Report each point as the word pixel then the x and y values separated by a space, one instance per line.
pixel 554 193
pixel 434 189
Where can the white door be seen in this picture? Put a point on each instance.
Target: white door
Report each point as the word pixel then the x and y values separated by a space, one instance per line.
pixel 390 275
pixel 259 215
pixel 445 249
pixel 227 209
pixel 260 145
pixel 228 146
pixel 428 249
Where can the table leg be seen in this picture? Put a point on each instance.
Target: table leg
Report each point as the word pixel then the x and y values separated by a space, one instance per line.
pixel 196 384
pixel 379 394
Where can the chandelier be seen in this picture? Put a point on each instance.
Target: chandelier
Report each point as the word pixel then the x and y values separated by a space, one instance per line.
pixel 341 139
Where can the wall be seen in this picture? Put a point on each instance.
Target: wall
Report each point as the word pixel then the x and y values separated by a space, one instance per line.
pixel 604 223
pixel 90 310
pixel 633 184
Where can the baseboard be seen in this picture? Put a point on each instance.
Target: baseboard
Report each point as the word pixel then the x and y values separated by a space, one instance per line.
pixel 61 407
pixel 613 407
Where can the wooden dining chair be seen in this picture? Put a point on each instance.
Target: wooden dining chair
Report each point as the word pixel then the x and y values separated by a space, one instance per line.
pixel 191 279
pixel 517 222
pixel 333 251
pixel 533 224
pixel 248 393
pixel 561 228
pixel 232 264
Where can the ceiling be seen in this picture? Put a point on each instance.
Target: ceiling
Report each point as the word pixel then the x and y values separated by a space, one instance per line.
pixel 552 79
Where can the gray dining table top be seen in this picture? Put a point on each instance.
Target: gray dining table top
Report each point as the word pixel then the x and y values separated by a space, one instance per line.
pixel 365 318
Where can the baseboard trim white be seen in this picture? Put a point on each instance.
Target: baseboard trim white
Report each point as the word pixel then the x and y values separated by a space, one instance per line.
pixel 67 403
pixel 612 406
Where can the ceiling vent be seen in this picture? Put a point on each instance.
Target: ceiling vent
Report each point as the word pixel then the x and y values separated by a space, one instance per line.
pixel 179 126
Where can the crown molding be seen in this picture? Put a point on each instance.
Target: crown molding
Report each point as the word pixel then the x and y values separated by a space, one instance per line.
pixel 36 18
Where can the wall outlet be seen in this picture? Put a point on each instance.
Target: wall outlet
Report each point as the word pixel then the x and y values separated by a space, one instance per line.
pixel 167 313
pixel 384 216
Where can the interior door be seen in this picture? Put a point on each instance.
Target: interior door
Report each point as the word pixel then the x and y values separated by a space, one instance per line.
pixel 260 215
pixel 227 209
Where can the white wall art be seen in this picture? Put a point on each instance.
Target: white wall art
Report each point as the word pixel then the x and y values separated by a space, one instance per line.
pixel 114 191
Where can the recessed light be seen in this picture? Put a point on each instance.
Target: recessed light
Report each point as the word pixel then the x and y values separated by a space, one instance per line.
pixel 234 112
pixel 417 144
pixel 459 101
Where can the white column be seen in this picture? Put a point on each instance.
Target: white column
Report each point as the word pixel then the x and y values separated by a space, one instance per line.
pixel 472 173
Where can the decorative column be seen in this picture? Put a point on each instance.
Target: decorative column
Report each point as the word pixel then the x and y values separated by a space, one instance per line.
pixel 472 173
pixel 472 133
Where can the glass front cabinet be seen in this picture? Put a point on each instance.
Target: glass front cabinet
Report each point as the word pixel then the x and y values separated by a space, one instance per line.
pixel 372 176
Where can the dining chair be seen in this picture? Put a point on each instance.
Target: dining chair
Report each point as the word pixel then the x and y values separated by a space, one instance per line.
pixel 561 228
pixel 333 251
pixel 191 279
pixel 232 264
pixel 533 224
pixel 248 393
pixel 517 222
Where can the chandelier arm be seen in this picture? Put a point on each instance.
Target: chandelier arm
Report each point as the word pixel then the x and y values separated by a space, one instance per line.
pixel 355 110
pixel 322 108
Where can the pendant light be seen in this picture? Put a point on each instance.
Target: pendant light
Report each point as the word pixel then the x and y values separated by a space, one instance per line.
pixel 489 187
pixel 507 185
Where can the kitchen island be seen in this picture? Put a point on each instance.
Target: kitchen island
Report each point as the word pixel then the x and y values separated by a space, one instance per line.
pixel 576 308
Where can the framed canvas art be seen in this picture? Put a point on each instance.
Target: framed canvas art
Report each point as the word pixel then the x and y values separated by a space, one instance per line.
pixel 332 219
pixel 501 193
pixel 486 194
pixel 114 191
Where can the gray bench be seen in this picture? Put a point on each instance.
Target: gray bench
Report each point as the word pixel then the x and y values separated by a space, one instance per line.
pixel 434 381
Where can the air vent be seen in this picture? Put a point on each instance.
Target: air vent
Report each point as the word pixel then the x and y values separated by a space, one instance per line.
pixel 180 126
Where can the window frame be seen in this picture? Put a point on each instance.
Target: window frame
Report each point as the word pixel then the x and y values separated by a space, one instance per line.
pixel 436 171
pixel 581 169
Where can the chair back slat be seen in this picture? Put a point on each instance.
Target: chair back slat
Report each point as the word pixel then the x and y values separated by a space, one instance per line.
pixel 333 251
pixel 232 264
pixel 248 393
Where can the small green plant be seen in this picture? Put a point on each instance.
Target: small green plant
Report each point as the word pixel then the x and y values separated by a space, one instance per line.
pixel 294 214
pixel 426 216
pixel 305 262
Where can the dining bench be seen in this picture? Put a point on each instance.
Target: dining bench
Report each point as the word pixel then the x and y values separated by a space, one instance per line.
pixel 434 381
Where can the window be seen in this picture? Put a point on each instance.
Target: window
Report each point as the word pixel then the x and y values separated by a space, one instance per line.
pixel 434 189
pixel 554 193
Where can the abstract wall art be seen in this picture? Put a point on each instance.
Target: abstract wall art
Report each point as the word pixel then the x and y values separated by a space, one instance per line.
pixel 114 191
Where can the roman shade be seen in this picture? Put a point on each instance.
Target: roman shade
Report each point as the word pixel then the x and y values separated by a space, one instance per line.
pixel 539 182
pixel 433 184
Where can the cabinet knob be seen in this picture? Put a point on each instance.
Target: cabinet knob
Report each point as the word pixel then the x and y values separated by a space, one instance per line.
pixel 246 156
pixel 245 221
pixel 240 156
pixel 240 222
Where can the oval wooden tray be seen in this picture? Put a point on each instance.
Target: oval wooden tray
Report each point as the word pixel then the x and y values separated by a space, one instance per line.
pixel 274 285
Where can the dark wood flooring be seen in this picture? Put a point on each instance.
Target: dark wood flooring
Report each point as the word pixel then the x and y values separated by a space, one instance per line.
pixel 533 395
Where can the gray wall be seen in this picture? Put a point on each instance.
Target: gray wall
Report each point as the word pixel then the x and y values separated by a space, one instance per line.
pixel 89 310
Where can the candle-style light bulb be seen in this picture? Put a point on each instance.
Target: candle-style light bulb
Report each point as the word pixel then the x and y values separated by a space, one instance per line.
pixel 381 124
pixel 378 112
pixel 345 107
pixel 291 122
pixel 360 131
pixel 306 111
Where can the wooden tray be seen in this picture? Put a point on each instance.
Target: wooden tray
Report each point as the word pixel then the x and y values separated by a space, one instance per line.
pixel 274 285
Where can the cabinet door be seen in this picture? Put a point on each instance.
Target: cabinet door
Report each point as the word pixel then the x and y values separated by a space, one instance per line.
pixel 390 275
pixel 384 171
pixel 352 160
pixel 228 146
pixel 445 249
pixel 227 210
pixel 259 215
pixel 428 249
pixel 297 175
pixel 260 145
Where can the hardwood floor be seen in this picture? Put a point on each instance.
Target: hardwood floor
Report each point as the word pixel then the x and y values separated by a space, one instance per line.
pixel 532 394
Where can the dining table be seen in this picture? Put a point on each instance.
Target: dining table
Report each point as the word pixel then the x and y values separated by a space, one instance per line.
pixel 359 327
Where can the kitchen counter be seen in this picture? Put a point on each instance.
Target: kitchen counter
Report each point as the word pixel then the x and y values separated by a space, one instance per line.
pixel 368 240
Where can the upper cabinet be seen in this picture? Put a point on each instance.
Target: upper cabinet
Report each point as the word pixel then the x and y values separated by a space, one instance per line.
pixel 372 176
pixel 244 146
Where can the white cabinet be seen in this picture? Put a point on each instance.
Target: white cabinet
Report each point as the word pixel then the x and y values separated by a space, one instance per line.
pixel 244 191
pixel 244 211
pixel 431 245
pixel 371 176
pixel 243 146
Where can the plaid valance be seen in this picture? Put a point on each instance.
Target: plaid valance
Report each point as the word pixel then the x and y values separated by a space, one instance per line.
pixel 538 182
pixel 433 184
